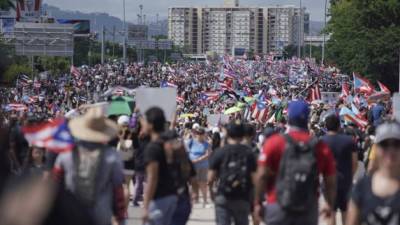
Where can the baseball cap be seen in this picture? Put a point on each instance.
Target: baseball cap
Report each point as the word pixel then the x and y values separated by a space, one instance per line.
pixel 123 120
pixel 388 130
pixel 298 112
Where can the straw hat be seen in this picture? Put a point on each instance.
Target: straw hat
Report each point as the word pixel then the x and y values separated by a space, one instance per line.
pixel 93 127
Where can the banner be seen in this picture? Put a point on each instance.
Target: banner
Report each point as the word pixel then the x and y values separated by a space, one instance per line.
pixel 165 98
pixel 217 119
pixel 330 98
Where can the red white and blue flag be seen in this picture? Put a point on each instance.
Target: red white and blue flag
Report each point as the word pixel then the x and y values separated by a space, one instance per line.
pixel 383 88
pixel 16 107
pixel 362 85
pixel 345 90
pixel 259 112
pixel 166 84
pixel 54 136
pixel 74 71
pixel 209 96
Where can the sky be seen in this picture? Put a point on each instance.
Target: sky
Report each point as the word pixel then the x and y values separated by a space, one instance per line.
pixel 152 7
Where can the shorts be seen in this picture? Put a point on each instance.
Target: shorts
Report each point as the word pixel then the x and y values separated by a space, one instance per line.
pixel 201 174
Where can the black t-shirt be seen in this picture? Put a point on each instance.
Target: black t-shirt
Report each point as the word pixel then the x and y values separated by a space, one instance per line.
pixel 375 210
pixel 165 185
pixel 342 147
pixel 217 160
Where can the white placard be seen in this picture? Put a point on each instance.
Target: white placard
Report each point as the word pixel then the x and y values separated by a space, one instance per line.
pixel 330 98
pixel 217 119
pixel 165 98
pixel 396 106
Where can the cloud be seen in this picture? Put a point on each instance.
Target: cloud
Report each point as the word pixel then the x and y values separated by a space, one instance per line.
pixel 152 7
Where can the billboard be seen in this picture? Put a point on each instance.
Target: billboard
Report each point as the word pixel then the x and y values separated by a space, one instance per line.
pixel 80 26
pixel 137 32
pixel 44 39
pixel 28 10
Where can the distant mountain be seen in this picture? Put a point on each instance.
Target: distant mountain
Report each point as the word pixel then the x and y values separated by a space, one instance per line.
pixel 97 20
pixel 316 27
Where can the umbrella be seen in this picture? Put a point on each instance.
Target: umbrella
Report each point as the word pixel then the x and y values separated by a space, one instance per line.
pixel 121 106
pixel 187 115
pixel 232 110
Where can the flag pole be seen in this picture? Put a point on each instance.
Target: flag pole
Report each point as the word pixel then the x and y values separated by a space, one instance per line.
pixel 306 88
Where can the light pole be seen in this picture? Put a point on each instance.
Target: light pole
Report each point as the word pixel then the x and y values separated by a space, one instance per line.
pixel 125 33
pixel 323 44
pixel 299 44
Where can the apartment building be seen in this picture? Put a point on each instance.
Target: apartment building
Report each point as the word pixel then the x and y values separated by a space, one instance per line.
pixel 221 29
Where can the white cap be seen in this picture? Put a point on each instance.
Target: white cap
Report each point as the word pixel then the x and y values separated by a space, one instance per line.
pixel 215 130
pixel 123 120
pixel 195 126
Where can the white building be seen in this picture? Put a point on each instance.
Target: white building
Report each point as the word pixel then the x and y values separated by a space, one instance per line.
pixel 221 29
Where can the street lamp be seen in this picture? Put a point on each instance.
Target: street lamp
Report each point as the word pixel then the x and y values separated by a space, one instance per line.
pixel 124 29
pixel 323 44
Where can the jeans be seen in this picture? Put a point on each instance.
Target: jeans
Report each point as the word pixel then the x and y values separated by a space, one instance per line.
pixel 166 207
pixel 182 211
pixel 275 215
pixel 236 211
pixel 139 181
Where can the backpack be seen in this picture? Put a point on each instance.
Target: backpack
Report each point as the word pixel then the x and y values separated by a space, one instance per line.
pixel 87 165
pixel 297 180
pixel 234 173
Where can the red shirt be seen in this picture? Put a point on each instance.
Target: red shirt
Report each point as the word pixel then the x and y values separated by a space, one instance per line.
pixel 272 151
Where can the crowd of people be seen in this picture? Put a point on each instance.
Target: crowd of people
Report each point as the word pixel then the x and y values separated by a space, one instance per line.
pixel 263 164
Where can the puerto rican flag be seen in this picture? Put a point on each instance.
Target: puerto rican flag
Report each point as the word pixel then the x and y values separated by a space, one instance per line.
pixel 314 93
pixel 351 116
pixel 54 136
pixel 229 74
pixel 16 107
pixel 345 90
pixel 383 88
pixel 259 112
pixel 362 85
pixel 166 84
pixel 180 100
pixel 209 96
pixel 74 71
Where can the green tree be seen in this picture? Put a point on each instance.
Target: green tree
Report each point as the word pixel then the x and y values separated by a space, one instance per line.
pixel 365 38
pixel 7 4
pixel 14 71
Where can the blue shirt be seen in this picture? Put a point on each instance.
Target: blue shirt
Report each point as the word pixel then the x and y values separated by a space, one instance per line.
pixel 196 150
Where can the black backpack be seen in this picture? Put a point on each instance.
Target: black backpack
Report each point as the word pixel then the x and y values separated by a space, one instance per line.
pixel 297 180
pixel 234 174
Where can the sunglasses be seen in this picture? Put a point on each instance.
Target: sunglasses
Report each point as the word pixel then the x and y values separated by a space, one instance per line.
pixel 386 144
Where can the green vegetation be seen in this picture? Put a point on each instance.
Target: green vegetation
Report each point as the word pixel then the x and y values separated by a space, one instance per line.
pixel 365 38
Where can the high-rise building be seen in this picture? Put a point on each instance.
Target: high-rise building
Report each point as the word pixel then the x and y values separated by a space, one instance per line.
pixel 222 29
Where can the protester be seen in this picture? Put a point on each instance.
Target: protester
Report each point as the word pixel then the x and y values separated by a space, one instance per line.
pixel 288 169
pixel 234 165
pixel 93 171
pixel 199 152
pixel 185 172
pixel 345 152
pixel 35 162
pixel 160 197
pixel 126 147
pixel 376 198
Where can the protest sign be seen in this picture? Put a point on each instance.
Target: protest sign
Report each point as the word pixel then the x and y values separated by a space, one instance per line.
pixel 330 98
pixel 217 119
pixel 165 98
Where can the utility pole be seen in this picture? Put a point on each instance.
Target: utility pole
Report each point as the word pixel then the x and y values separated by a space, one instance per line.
pixel 399 70
pixel 125 33
pixel 299 44
pixel 323 44
pixel 141 13
pixel 113 34
pixel 103 34
pixel 157 18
